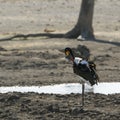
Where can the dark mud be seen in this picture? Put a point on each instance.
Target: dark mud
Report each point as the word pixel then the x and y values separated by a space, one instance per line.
pixel 18 106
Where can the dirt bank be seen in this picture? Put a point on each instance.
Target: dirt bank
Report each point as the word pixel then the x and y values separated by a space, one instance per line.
pixel 40 60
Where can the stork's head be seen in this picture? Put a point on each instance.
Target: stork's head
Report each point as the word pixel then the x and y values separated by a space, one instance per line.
pixel 69 54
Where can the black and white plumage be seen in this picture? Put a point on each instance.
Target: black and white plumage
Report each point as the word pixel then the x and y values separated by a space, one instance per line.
pixel 84 68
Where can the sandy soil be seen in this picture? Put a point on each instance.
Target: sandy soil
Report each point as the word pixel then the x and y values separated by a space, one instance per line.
pixel 40 60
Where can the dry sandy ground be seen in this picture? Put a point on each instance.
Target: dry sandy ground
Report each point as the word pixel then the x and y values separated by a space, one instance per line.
pixel 40 60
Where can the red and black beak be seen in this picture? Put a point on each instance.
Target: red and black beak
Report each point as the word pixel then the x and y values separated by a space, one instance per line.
pixel 69 54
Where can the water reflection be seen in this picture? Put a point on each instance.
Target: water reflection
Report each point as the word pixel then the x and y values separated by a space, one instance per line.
pixel 103 88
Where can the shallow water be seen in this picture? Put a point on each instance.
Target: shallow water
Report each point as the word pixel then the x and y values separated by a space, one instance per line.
pixel 103 88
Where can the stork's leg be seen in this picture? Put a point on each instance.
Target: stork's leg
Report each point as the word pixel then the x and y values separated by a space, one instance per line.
pixel 83 88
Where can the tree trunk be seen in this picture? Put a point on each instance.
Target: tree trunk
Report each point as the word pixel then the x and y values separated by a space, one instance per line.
pixel 83 27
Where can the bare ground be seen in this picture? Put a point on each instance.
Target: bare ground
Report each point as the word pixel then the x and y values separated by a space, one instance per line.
pixel 40 60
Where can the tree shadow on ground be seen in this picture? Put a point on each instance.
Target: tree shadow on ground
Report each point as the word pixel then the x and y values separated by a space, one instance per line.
pixel 106 42
pixel 25 36
pixel 56 35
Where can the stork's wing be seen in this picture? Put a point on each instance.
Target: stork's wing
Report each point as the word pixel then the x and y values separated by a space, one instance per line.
pixel 89 74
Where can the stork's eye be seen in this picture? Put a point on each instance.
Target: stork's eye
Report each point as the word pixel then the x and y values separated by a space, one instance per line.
pixel 67 53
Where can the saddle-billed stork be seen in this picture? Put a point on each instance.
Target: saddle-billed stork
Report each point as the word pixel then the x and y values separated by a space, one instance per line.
pixel 84 68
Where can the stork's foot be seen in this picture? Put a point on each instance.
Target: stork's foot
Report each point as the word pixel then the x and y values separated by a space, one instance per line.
pixel 82 110
pixel 76 110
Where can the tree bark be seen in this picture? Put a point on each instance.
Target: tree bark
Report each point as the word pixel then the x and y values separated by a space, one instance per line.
pixel 83 27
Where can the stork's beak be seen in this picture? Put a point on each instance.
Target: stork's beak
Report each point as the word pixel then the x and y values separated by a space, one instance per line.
pixel 67 55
